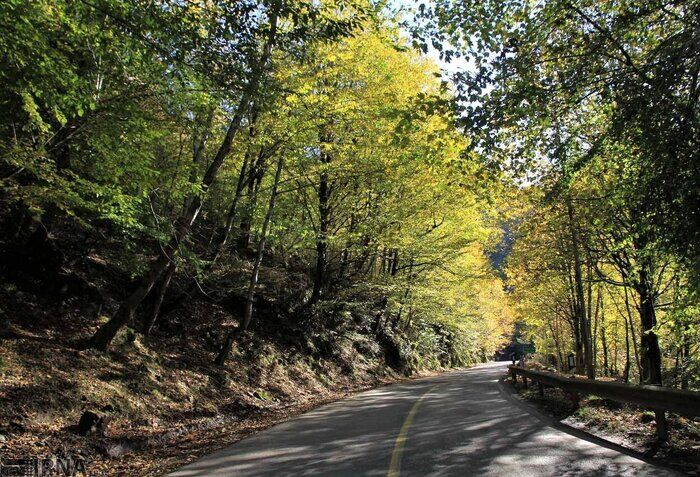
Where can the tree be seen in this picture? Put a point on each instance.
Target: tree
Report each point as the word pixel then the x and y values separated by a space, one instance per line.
pixel 257 63
pixel 559 62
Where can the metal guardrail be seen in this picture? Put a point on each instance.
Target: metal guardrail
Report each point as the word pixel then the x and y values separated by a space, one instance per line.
pixel 658 398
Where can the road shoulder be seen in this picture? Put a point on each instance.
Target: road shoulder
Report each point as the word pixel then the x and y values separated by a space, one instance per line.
pixel 509 392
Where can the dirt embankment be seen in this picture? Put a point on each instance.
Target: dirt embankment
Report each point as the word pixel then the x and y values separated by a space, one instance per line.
pixel 165 402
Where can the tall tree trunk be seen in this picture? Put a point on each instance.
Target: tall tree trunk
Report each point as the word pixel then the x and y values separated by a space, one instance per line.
pixel 321 240
pixel 324 196
pixel 685 355
pixel 629 321
pixel 106 333
pixel 650 351
pixel 580 296
pixel 250 297
pixel 604 342
pixel 615 351
pixel 626 371
pixel 596 313
pixel 578 346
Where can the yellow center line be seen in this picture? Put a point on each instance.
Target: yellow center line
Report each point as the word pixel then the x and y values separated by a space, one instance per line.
pixel 395 466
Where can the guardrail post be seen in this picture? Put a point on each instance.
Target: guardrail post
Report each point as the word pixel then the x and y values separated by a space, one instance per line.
pixel 514 375
pixel 574 398
pixel 661 427
pixel 525 382
pixel 540 387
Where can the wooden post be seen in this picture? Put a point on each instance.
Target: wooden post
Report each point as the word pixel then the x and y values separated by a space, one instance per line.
pixel 661 426
pixel 524 382
pixel 540 387
pixel 514 375
pixel 574 398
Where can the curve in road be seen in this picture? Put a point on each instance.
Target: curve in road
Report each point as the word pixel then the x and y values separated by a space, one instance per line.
pixel 460 423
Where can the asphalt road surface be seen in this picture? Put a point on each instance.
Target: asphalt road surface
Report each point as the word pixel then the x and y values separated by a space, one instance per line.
pixel 461 423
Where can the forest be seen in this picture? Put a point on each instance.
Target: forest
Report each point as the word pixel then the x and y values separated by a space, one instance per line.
pixel 593 108
pixel 210 206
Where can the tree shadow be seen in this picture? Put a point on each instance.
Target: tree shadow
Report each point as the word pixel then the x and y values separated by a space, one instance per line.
pixel 465 426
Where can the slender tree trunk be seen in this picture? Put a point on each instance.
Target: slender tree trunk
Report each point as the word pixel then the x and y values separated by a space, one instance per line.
pixel 685 354
pixel 580 297
pixel 596 314
pixel 604 342
pixel 148 325
pixel 615 354
pixel 615 369
pixel 106 333
pixel 250 297
pixel 324 195
pixel 626 371
pixel 321 241
pixel 578 351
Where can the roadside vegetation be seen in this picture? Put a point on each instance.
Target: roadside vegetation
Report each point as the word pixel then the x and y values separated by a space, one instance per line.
pixel 216 212
pixel 593 107
pixel 626 425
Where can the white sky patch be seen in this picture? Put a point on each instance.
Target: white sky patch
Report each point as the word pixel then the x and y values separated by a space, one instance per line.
pixel 455 65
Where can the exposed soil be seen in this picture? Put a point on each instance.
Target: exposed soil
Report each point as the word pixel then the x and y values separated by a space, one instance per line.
pixel 167 404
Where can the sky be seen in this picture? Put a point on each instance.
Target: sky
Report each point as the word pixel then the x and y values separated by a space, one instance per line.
pixel 448 68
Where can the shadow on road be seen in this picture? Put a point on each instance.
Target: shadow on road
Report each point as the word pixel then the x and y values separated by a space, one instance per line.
pixel 465 426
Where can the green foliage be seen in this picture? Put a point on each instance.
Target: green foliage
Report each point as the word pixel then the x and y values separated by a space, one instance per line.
pixel 564 81
pixel 113 112
pixel 596 105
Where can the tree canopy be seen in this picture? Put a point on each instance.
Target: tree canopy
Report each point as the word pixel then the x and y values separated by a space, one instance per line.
pixel 210 143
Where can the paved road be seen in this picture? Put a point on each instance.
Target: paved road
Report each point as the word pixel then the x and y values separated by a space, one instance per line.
pixel 458 424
